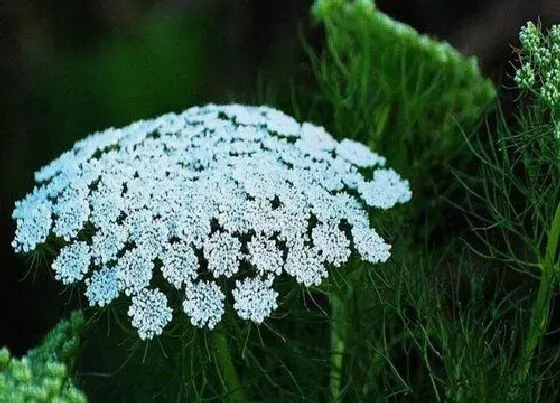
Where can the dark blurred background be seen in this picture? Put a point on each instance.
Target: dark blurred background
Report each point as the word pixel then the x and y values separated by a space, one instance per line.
pixel 68 68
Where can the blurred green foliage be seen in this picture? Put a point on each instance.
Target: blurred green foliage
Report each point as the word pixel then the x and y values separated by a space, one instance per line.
pixel 166 65
pixel 44 375
pixel 392 81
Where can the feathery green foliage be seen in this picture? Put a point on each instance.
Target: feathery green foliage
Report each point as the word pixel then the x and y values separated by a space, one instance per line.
pixel 405 94
pixel 514 201
pixel 395 82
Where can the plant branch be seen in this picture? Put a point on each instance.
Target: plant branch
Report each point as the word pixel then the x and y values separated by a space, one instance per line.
pixel 230 380
pixel 338 331
pixel 539 317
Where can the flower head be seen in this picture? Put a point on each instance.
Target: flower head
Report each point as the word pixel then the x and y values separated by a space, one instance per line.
pixel 530 37
pixel 525 76
pixel 540 63
pixel 254 299
pixel 215 196
pixel 149 312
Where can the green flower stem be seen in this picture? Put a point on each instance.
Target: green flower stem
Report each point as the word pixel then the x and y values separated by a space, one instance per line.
pixel 338 328
pixel 220 347
pixel 539 317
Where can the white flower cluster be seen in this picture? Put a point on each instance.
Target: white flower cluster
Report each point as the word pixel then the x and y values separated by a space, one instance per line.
pixel 540 68
pixel 254 299
pixel 192 200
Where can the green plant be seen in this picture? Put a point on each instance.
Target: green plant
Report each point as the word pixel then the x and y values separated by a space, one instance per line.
pixel 44 373
pixel 445 318
pixel 515 204
pixel 411 97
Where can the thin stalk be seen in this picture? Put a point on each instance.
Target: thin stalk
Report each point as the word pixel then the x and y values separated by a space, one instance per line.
pixel 338 328
pixel 539 316
pixel 230 380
